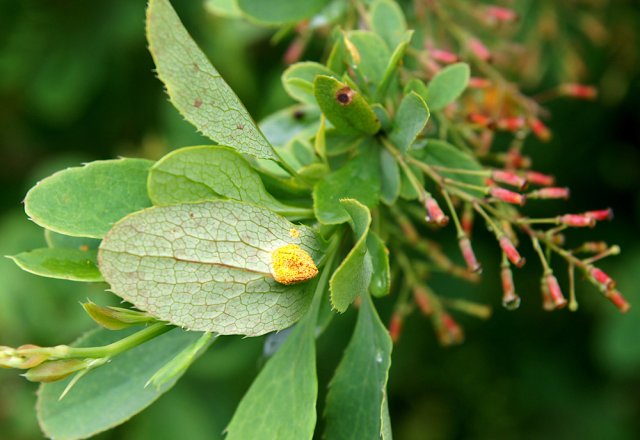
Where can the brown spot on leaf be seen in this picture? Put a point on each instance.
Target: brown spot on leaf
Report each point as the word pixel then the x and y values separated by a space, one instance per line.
pixel 240 126
pixel 197 103
pixel 196 67
pixel 344 96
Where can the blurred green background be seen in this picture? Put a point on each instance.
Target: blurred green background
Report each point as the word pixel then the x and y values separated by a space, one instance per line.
pixel 77 84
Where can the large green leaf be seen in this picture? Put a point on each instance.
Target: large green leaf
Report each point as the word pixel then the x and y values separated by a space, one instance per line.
pixel 298 80
pixel 440 153
pixel 280 11
pixel 390 178
pixel 196 174
pixel 66 264
pixel 86 201
pixel 410 120
pixel 356 402
pixel 208 266
pixel 381 276
pixel 353 276
pixel 387 20
pixel 196 88
pixel 56 240
pixel 298 120
pixel 344 107
pixel 359 179
pixel 281 403
pixel 447 85
pixel 373 54
pixel 113 393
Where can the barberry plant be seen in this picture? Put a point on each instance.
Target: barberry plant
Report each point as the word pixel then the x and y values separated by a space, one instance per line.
pixel 400 140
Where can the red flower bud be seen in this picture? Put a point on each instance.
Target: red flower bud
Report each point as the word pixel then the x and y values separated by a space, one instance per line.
pixel 601 214
pixel 618 300
pixel 510 300
pixel 468 255
pixel 466 221
pixel 479 119
pixel 600 277
pixel 507 196
pixel 541 131
pixel 550 193
pixel 421 297
pixel 510 250
pixel 395 326
pixel 434 213
pixel 479 49
pixel 511 124
pixel 443 56
pixel 448 330
pixel 509 178
pixel 577 220
pixel 479 83
pixel 579 91
pixel 555 293
pixel 539 179
pixel 499 14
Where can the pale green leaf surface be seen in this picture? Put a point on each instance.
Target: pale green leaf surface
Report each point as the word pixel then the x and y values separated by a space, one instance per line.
pixel 55 240
pixel 359 179
pixel 381 272
pixel 223 8
pixel 113 393
pixel 207 266
pixel 356 401
pixel 440 153
pixel 281 402
pixel 353 276
pixel 196 88
pixel 390 178
pixel 339 143
pixel 283 125
pixel 387 20
pixel 196 174
pixel 447 86
pixel 353 116
pixel 280 11
pixel 65 264
pixel 374 55
pixel 298 80
pixel 86 201
pixel 410 120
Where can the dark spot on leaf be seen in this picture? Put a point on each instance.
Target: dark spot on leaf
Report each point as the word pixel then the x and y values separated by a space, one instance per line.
pixel 344 96
pixel 298 114
pixel 240 126
pixel 196 67
pixel 191 214
pixel 197 103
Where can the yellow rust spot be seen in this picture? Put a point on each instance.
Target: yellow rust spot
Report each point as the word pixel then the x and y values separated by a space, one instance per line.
pixel 294 233
pixel 290 264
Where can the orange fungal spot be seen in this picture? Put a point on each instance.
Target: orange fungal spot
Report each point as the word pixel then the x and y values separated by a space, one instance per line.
pixel 290 264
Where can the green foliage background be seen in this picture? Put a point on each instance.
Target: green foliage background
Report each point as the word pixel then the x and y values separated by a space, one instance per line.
pixel 76 84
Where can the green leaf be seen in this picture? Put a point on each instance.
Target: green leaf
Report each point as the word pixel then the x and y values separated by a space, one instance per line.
pixel 440 153
pixel 298 80
pixel 223 8
pixel 86 201
pixel 374 56
pixel 196 88
pixel 390 178
pixel 66 264
pixel 281 402
pixel 381 277
pixel 344 107
pixel 356 402
pixel 196 174
pixel 407 191
pixel 55 240
pixel 353 276
pixel 387 20
pixel 447 86
pixel 338 142
pixel 359 179
pixel 207 266
pixel 280 11
pixel 392 65
pixel 298 120
pixel 410 120
pixel 113 393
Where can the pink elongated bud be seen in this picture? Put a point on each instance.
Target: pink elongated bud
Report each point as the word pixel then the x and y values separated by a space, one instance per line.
pixel 479 49
pixel 475 82
pixel 559 301
pixel 421 298
pixel 466 221
pixel 618 300
pixel 547 301
pixel 515 159
pixel 395 326
pixel 600 277
pixel 511 252
pixel 579 91
pixel 537 178
pixel 507 196
pixel 601 214
pixel 553 192
pixel 540 130
pixel 500 14
pixel 443 56
pixel 448 330
pixel 577 220
pixel 468 255
pixel 434 213
pixel 294 51
pixel 509 178
pixel 510 300
pixel 511 124
pixel 479 119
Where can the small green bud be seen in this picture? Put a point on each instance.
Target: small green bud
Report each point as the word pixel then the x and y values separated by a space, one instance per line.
pixel 52 371
pixel 116 318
